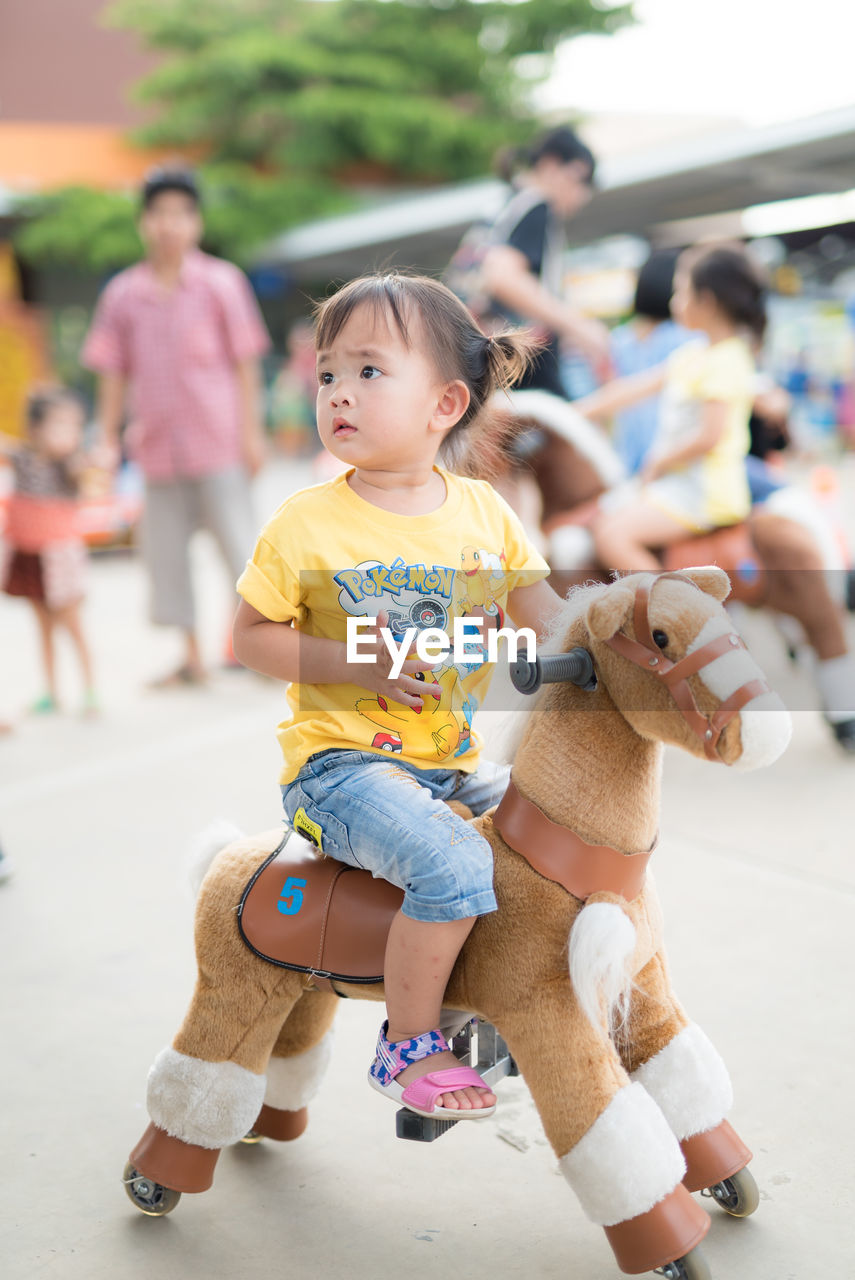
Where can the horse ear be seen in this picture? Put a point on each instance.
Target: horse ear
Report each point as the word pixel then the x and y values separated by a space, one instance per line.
pixel 607 613
pixel 711 579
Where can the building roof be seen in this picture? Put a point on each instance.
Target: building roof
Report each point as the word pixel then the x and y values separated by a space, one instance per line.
pixel 637 192
pixel 37 156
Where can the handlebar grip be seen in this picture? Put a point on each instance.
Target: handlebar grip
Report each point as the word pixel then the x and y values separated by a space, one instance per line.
pixel 575 667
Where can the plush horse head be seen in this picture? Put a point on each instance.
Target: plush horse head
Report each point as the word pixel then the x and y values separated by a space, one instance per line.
pixel 664 656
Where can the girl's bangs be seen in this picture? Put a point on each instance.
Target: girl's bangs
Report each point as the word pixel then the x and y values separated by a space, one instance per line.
pixel 377 293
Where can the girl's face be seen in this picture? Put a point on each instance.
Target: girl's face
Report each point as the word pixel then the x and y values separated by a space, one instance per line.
pixel 690 309
pixel 60 434
pixel 382 404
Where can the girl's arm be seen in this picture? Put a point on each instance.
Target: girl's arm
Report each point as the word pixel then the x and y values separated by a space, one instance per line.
pixel 711 430
pixel 280 650
pixel 622 393
pixel 535 607
pixel 509 280
pixel 110 410
pixel 252 431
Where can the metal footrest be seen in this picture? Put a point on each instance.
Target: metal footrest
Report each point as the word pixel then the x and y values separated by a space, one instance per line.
pixel 477 1045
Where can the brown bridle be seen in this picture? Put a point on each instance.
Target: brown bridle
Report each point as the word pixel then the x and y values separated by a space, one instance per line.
pixel 644 652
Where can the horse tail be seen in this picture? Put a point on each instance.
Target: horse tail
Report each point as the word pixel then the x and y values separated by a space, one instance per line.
pixel 602 942
pixel 204 849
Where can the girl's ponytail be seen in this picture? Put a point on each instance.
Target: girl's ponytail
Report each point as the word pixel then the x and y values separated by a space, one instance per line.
pixel 480 445
pixel 508 354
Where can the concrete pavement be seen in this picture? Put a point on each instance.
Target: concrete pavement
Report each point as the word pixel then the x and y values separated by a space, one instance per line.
pixel 756 876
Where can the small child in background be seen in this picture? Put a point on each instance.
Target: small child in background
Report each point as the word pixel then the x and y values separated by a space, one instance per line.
pixel 694 477
pixel 402 370
pixel 44 559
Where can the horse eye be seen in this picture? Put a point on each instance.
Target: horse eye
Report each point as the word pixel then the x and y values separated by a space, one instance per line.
pixel 660 639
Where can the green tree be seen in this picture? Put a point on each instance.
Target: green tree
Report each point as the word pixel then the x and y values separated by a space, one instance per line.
pixel 296 104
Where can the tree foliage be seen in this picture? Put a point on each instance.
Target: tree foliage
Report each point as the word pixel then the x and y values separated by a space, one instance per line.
pixel 296 103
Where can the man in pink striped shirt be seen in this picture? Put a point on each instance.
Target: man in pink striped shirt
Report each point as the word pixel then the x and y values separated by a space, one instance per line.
pixel 177 340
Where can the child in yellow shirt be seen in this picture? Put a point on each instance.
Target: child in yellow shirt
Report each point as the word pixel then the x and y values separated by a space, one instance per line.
pixel 695 477
pixel 378 740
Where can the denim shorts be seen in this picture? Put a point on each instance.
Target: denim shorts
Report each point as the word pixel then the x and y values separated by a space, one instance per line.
pixel 390 818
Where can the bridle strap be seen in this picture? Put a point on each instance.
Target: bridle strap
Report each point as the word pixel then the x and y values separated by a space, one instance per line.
pixel 645 653
pixel 746 693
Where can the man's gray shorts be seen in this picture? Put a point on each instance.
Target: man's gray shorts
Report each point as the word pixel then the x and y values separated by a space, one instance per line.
pixel 220 502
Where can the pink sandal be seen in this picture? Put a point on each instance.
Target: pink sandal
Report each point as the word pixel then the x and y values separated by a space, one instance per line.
pixel 421 1094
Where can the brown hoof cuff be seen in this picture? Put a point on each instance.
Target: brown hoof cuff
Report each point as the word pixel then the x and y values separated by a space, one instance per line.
pixel 181 1166
pixel 667 1231
pixel 713 1156
pixel 283 1126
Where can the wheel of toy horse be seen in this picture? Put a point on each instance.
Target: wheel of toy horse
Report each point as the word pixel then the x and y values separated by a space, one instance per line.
pixel 251 1137
pixel 738 1195
pixel 693 1266
pixel 149 1197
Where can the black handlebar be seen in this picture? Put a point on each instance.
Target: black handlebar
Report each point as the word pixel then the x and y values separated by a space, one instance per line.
pixel 575 667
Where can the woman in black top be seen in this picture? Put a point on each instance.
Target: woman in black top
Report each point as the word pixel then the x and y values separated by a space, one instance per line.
pixel 522 269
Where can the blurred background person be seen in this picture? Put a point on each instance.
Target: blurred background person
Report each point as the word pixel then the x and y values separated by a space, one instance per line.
pixel 44 557
pixel 787 531
pixel 182 332
pixel 644 341
pixel 523 266
pixel 293 394
pixel 694 477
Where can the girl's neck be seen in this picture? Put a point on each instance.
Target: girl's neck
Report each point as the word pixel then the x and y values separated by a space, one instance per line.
pixel 407 493
pixel 645 326
pixel 719 330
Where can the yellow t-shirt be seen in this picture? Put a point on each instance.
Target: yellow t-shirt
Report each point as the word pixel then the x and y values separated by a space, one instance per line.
pixel 327 554
pixel 725 372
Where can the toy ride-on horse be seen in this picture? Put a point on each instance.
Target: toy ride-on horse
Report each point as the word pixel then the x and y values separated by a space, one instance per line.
pixel 632 1095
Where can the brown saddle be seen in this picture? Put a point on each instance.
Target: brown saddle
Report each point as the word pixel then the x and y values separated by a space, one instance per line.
pixel 305 911
pixel 731 548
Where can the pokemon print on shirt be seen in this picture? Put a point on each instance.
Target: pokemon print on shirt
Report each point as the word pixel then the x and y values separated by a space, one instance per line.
pixel 425 598
pixel 327 555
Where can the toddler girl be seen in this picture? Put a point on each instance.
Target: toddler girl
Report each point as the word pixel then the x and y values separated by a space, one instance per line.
pixel 694 478
pixel 45 557
pixel 399 542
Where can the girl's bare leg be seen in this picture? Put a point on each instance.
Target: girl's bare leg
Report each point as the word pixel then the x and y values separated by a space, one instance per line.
pixel 420 956
pixel 70 618
pixel 47 622
pixel 624 537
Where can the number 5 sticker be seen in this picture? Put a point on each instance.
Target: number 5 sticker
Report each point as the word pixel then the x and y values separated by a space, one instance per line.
pixel 291 897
